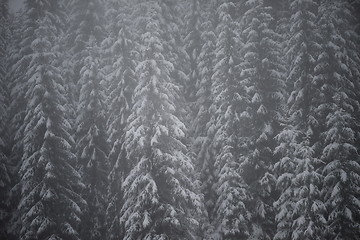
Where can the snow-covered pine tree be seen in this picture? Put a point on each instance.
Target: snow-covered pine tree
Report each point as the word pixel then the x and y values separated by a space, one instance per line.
pixel 121 77
pixel 308 209
pixel 161 199
pixel 116 12
pixel 85 34
pixel 14 156
pixel 284 170
pixel 262 72
pixel 355 8
pixel 337 75
pixel 173 26
pixel 50 205
pixel 203 136
pixel 18 60
pixel 192 46
pixel 4 46
pixel 5 176
pixel 174 50
pixel 22 35
pixel 86 21
pixel 67 65
pixel 300 211
pixel 285 166
pixel 231 218
pixel 281 14
pixel 91 142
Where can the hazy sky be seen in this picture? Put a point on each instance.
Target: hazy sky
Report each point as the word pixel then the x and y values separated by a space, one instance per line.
pixel 15 5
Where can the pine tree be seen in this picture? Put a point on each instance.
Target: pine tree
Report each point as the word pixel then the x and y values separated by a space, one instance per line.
pixel 22 35
pixel 174 49
pixel 355 8
pixel 203 136
pixel 285 172
pixel 85 34
pixel 121 86
pixel 263 74
pixel 231 218
pixel 282 15
pixel 86 22
pixel 161 199
pixel 193 46
pixel 67 65
pixel 300 211
pixel 91 145
pixel 87 18
pixel 5 176
pixel 50 206
pixel 337 75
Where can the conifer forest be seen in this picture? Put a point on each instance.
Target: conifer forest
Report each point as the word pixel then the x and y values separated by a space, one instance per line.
pixel 180 120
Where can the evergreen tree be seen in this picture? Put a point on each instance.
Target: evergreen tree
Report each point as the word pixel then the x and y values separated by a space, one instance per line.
pixel 91 145
pixel 19 52
pixel 263 73
pixel 203 135
pixel 284 170
pixel 337 74
pixel 5 180
pixel 67 65
pixel 121 86
pixel 174 50
pixel 355 8
pixel 125 83
pixel 300 211
pixel 161 199
pixel 87 19
pixel 231 218
pixel 85 34
pixel 281 14
pixel 22 35
pixel 86 22
pixel 50 206
pixel 193 46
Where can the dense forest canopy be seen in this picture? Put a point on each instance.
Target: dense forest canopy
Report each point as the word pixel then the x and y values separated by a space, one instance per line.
pixel 180 119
